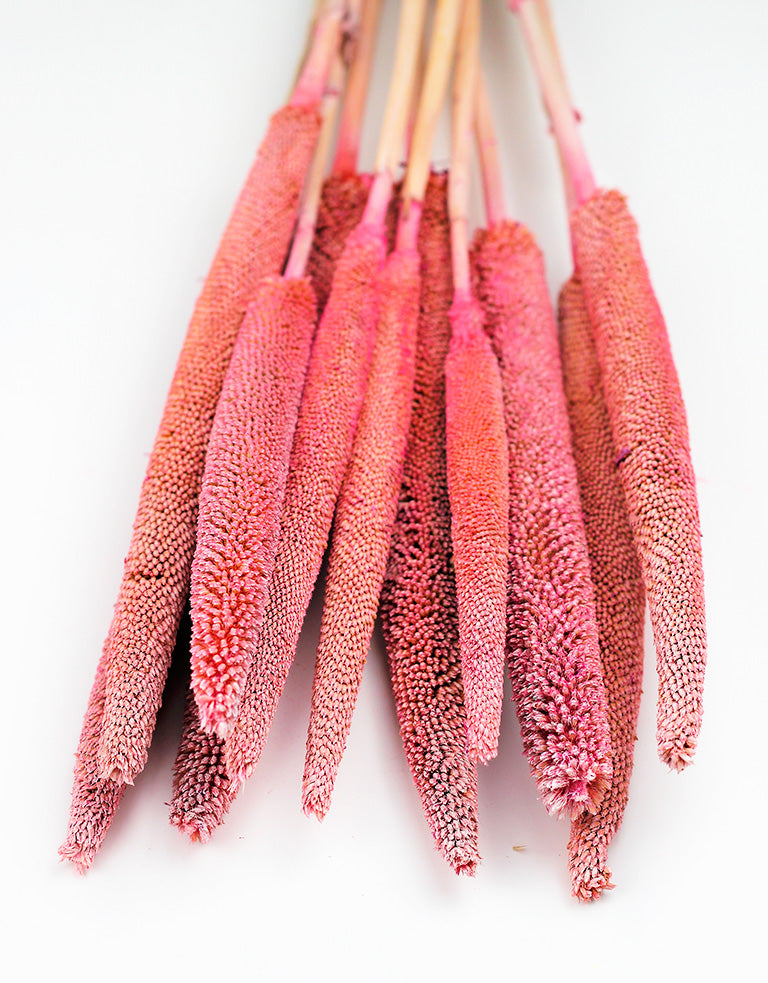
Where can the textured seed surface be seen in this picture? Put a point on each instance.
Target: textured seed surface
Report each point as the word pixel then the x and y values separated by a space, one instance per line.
pixel 157 568
pixel 650 435
pixel 202 792
pixel 552 641
pixel 330 407
pixel 341 208
pixel 418 604
pixel 478 486
pixel 246 468
pixel 94 799
pixel 362 529
pixel 619 594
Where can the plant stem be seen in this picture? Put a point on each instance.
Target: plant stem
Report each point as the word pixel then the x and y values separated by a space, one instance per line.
pixel 464 100
pixel 326 41
pixel 415 97
pixel 410 31
pixel 408 227
pixel 350 127
pixel 409 34
pixel 488 149
pixel 444 31
pixel 548 24
pixel 542 48
pixel 305 226
pixel 311 27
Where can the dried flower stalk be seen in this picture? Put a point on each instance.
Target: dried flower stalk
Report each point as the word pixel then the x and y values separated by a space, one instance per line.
pixel 363 523
pixel 553 652
pixel 645 405
pixel 650 434
pixel 477 456
pixel 330 407
pixel 619 595
pixel 418 603
pixel 246 465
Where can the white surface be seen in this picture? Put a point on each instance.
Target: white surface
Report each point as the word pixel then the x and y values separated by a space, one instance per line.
pixel 127 129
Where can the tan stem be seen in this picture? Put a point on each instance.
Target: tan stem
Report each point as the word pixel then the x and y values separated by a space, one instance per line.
pixel 413 109
pixel 356 92
pixel 305 226
pixel 549 28
pixel 464 100
pixel 409 35
pixel 444 31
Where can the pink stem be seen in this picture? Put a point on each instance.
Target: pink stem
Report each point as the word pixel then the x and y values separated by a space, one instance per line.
pixel 408 227
pixel 460 258
pixel 305 227
pixel 488 149
pixel 378 200
pixel 311 84
pixel 540 41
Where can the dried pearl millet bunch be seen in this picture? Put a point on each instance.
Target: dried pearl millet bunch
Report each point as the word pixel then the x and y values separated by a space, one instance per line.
pixel 433 431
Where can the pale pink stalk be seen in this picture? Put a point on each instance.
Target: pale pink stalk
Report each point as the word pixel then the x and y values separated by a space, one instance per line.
pixel 241 499
pixel 619 595
pixel 94 799
pixel 650 433
pixel 363 522
pixel 345 192
pixel 553 653
pixel 488 150
pixel 476 444
pixel 356 91
pixel 539 36
pixel 419 615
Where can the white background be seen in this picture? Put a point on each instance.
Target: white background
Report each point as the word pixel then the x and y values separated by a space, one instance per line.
pixel 127 129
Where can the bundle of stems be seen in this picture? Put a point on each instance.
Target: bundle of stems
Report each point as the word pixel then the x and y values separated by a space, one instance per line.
pixel 358 377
